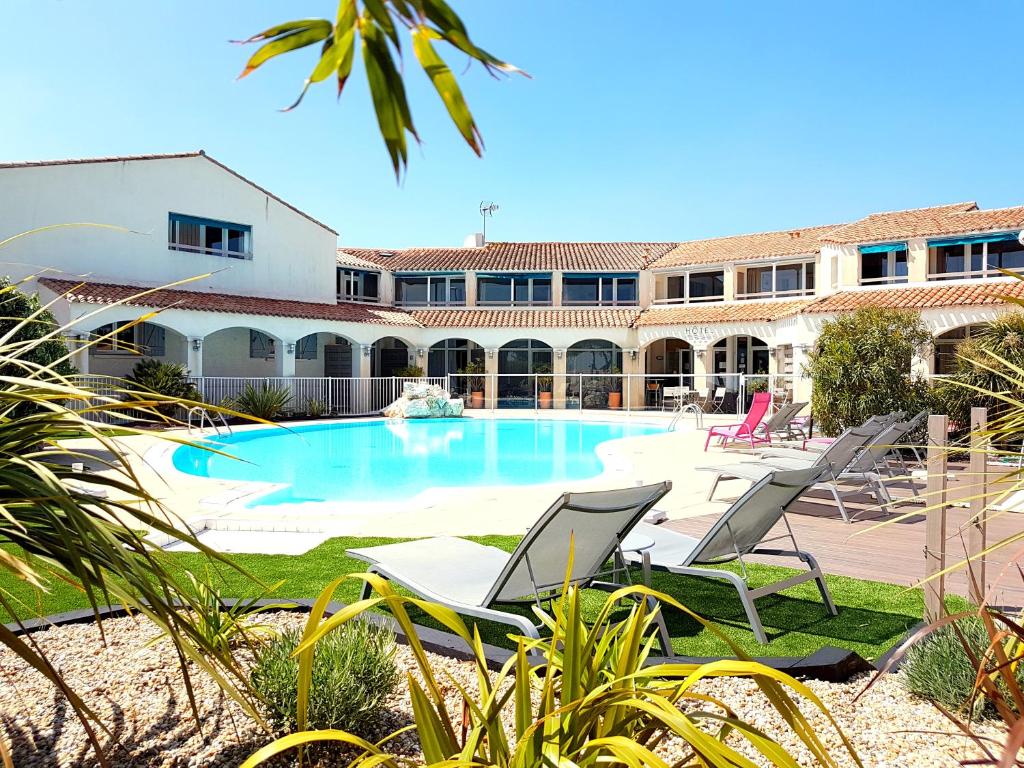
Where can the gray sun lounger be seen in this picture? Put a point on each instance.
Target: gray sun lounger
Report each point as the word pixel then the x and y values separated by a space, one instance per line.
pixel 739 532
pixel 833 463
pixel 473 579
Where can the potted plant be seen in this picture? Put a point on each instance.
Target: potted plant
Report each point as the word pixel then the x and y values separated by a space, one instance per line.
pixel 475 371
pixel 614 389
pixel 544 383
pixel 410 372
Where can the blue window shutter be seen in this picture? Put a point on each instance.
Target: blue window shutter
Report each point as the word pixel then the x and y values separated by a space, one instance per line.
pixel 260 345
pixel 153 340
pixel 305 348
pixel 998 237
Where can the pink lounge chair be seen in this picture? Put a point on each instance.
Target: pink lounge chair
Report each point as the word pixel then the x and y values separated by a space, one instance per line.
pixel 747 430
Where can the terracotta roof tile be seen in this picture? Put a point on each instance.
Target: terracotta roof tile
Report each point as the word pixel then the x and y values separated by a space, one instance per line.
pixel 511 257
pixel 762 245
pixel 166 156
pixel 362 258
pixel 960 218
pixel 526 318
pixel 920 297
pixel 164 298
pixel 733 312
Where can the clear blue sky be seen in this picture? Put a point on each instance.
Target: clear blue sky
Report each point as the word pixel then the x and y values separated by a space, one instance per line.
pixel 644 121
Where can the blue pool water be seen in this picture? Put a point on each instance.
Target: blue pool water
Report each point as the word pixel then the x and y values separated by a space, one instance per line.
pixel 387 461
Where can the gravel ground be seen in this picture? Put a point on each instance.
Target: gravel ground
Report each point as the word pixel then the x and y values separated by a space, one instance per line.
pixel 138 692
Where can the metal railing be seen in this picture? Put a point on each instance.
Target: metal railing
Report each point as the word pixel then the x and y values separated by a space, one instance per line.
pixel 720 393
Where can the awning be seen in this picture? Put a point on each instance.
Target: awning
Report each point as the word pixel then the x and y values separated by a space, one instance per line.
pixel 522 275
pixel 568 275
pixel 994 237
pixel 883 247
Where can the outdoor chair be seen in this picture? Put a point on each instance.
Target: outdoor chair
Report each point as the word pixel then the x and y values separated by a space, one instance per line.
pixel 672 398
pixel 474 580
pixel 747 430
pixel 739 532
pixel 778 424
pixel 883 420
pixel 867 468
pixel 833 463
pixel 718 401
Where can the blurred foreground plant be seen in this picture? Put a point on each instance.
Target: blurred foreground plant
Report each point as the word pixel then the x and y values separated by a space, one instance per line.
pixel 594 702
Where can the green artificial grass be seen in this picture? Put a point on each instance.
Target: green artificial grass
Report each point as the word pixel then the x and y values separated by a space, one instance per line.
pixel 873 616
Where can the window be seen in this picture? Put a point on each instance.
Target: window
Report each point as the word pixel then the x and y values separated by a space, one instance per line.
pixel 970 257
pixel 214 238
pixel 260 345
pixel 513 290
pixel 358 285
pixel 305 348
pixel 600 290
pixel 594 356
pixel 125 338
pixel 452 356
pixel 883 264
pixel 430 290
pixel 777 280
pixel 694 286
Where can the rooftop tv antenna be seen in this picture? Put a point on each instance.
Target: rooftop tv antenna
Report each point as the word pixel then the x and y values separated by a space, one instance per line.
pixel 487 208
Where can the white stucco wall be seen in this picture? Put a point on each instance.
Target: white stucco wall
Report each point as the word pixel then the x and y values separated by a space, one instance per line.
pixel 292 256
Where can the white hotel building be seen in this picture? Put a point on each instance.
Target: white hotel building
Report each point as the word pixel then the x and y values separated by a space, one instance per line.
pixel 280 299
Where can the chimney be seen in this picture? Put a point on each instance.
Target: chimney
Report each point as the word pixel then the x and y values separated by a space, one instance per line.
pixel 475 240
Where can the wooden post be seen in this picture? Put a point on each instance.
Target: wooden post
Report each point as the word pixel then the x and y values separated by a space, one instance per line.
pixel 977 534
pixel 935 527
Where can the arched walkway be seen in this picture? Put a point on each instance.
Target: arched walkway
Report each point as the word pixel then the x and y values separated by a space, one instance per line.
pixel 517 360
pixel 593 367
pixel 240 351
pixel 389 355
pixel 668 363
pixel 326 354
pixel 944 354
pixel 117 347
pixel 452 356
pixel 739 354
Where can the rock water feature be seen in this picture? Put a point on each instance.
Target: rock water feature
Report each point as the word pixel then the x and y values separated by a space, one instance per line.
pixel 424 401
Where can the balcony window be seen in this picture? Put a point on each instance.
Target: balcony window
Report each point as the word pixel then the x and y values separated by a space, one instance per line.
pixel 883 264
pixel 694 286
pixel 358 285
pixel 430 290
pixel 208 236
pixel 600 290
pixel 973 257
pixel 513 290
pixel 777 281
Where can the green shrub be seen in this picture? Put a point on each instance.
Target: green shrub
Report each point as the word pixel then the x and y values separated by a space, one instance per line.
pixel 938 668
pixel 410 372
pixel 315 407
pixel 354 672
pixel 861 366
pixel 170 379
pixel 986 361
pixel 263 402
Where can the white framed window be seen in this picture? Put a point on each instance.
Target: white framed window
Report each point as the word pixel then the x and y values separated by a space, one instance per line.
pixel 429 290
pixel 883 264
pixel 513 290
pixel 193 234
pixel 358 285
pixel 600 290
pixel 693 286
pixel 305 348
pixel 980 256
pixel 778 280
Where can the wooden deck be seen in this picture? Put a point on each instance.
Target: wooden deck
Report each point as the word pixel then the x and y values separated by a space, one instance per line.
pixel 894 553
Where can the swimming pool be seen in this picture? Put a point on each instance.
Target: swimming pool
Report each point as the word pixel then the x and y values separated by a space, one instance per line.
pixel 394 460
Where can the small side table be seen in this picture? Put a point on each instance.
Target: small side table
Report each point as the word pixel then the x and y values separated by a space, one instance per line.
pixel 639 543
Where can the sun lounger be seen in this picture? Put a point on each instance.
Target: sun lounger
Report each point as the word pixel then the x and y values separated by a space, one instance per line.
pixel 745 431
pixel 474 580
pixel 833 462
pixel 739 532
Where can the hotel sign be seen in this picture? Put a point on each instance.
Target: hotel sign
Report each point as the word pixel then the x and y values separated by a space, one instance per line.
pixel 697 333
